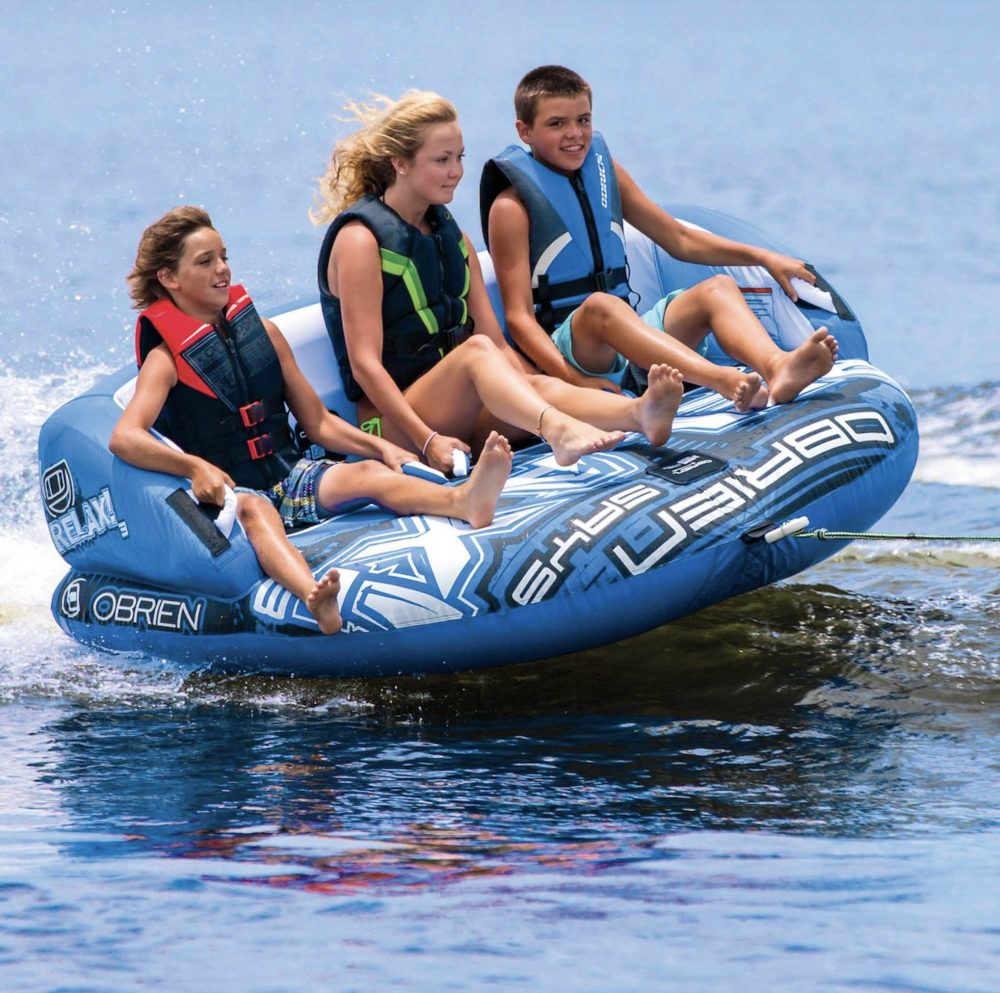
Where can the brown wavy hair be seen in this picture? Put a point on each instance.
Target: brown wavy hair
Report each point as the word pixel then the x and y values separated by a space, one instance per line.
pixel 161 247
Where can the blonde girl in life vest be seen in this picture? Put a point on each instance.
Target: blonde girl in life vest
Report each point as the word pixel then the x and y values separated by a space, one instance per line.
pixel 408 312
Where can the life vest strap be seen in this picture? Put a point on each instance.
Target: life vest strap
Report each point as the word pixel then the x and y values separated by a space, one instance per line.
pixel 415 344
pixel 253 413
pixel 260 446
pixel 604 282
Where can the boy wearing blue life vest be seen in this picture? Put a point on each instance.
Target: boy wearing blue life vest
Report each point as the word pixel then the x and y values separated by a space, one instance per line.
pixel 552 218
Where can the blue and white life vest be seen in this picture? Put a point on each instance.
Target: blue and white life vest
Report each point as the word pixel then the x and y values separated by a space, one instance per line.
pixel 577 241
pixel 227 406
pixel 425 289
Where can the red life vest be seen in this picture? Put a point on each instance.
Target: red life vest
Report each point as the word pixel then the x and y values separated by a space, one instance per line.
pixel 179 331
pixel 228 405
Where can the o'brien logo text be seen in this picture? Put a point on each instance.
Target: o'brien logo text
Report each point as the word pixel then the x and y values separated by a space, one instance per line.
pixel 161 613
pixel 75 522
pixel 689 464
pixel 691 514
pixel 603 174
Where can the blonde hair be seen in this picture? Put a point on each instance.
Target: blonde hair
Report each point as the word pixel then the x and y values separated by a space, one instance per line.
pixel 361 163
pixel 161 247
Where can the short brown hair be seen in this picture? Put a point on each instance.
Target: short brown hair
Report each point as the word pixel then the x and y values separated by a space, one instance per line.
pixel 547 81
pixel 161 247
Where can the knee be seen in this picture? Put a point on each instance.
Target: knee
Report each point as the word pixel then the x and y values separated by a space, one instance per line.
pixel 721 285
pixel 367 476
pixel 478 348
pixel 599 308
pixel 369 471
pixel 474 352
pixel 252 509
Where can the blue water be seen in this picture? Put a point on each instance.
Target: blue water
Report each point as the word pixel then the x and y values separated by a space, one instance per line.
pixel 795 790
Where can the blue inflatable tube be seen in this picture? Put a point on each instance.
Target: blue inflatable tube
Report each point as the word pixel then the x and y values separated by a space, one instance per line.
pixel 634 539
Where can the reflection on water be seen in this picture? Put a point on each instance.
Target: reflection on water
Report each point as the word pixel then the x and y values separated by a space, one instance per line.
pixel 794 767
pixel 800 710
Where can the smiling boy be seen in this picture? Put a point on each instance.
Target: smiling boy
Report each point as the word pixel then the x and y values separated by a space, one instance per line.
pixel 552 218
pixel 220 381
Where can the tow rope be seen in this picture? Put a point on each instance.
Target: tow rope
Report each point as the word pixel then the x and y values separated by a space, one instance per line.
pixel 795 528
pixel 821 534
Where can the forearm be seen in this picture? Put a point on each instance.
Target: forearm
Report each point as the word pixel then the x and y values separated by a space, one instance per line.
pixel 537 344
pixel 141 449
pixel 706 248
pixel 337 435
pixel 710 249
pixel 388 399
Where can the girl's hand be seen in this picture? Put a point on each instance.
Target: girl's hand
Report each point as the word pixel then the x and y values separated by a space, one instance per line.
pixel 439 449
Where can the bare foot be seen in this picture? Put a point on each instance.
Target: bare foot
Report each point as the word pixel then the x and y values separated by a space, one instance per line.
pixel 795 370
pixel 476 500
pixel 746 386
pixel 655 409
pixel 322 603
pixel 760 398
pixel 571 439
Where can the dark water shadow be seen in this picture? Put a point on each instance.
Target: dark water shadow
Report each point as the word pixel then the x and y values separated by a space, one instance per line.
pixel 785 711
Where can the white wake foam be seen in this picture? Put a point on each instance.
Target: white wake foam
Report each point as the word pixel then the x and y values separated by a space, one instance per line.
pixel 959 436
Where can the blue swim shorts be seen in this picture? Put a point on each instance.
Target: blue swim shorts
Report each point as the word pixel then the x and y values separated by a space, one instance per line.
pixel 562 337
pixel 295 496
pixel 654 317
pixel 563 340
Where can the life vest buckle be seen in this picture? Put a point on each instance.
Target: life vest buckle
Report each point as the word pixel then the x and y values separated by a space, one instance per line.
pixel 601 280
pixel 447 339
pixel 253 413
pixel 260 447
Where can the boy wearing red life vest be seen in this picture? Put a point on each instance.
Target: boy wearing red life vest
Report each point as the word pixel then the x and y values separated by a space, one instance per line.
pixel 219 381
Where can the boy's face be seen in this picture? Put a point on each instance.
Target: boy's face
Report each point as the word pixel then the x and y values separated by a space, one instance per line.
pixel 200 284
pixel 561 132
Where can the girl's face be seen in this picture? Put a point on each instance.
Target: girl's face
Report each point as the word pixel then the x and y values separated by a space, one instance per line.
pixel 199 284
pixel 436 169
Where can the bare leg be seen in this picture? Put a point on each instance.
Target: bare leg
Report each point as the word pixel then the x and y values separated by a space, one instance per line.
pixel 449 396
pixel 603 325
pixel 474 501
pixel 285 564
pixel 718 305
pixel 652 414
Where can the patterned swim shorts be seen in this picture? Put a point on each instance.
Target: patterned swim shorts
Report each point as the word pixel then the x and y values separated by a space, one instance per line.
pixel 295 496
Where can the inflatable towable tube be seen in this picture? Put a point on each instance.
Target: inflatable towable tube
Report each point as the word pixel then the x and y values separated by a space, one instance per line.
pixel 635 538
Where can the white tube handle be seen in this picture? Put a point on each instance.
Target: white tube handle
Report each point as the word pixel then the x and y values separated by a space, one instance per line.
pixel 793 526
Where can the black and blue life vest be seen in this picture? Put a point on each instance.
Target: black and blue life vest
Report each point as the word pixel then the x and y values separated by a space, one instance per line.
pixel 425 290
pixel 227 405
pixel 577 239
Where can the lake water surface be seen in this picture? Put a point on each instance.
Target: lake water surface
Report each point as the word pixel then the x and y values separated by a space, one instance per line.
pixel 798 789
